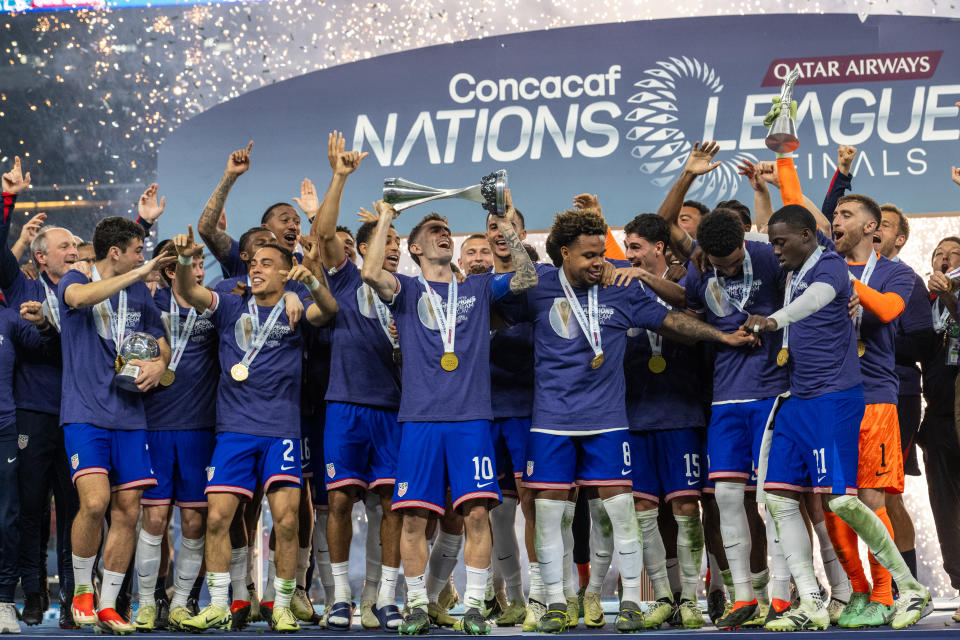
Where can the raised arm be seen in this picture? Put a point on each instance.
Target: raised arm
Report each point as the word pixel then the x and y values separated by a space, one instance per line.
pixel 842 180
pixel 524 274
pixel 699 162
pixel 28 232
pixel 207 227
pixel 149 207
pixel 372 272
pixel 762 203
pixel 14 183
pixel 196 295
pixel 79 295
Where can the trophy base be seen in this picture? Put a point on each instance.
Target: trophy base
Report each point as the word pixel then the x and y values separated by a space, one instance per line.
pixel 125 379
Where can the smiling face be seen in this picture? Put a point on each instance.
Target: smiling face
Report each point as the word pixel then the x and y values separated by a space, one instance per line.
pixel 642 253
pixel 583 259
pixel 433 242
pixel 349 247
pixel 496 240
pixel 475 256
pixel 265 267
pixel 128 259
pixel 284 222
pixel 688 220
pixel 888 240
pixel 61 253
pixel 946 257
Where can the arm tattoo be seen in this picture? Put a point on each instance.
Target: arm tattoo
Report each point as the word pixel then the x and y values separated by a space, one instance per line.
pixel 691 327
pixel 217 239
pixel 525 274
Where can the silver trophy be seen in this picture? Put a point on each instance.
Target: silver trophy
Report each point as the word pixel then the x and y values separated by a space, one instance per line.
pixel 136 346
pixel 491 193
pixel 782 136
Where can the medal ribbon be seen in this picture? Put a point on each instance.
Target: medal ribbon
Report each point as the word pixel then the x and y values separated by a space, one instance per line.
pixel 589 322
pixel 121 328
pixel 794 281
pixel 261 332
pixel 52 303
pixel 865 279
pixel 741 305
pixel 178 339
pixel 383 313
pixel 656 340
pixel 939 317
pixel 446 323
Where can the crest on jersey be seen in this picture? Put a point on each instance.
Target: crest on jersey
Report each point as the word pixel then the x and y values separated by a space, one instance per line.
pixel 22 440
pixel 331 470
pixel 210 471
pixel 402 489
pixel 75 460
pixel 529 467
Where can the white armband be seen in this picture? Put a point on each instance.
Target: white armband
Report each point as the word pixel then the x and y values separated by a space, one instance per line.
pixel 816 297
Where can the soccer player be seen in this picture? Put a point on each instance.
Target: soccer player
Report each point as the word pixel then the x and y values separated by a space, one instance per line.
pixel 445 410
pixel 578 435
pixel 104 425
pixel 181 414
pixel 258 426
pixel 744 278
pixel 475 254
pixel 42 457
pixel 666 440
pixel 684 216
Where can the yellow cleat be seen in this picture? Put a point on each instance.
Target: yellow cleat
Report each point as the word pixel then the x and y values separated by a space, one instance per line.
pixel 512 615
pixel 439 616
pixel 177 616
pixel 146 619
pixel 284 621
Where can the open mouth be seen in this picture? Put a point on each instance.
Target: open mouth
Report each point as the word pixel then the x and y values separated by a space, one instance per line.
pixel 256 282
pixel 392 260
pixel 290 237
pixel 837 235
pixel 444 244
pixel 876 239
pixel 501 244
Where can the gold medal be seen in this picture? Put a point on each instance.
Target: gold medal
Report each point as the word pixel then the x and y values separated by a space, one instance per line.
pixel 167 378
pixel 657 363
pixel 397 357
pixel 449 361
pixel 597 361
pixel 782 356
pixel 119 363
pixel 239 372
pixel 861 348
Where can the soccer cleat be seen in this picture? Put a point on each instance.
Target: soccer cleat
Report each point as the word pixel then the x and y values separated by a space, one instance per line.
pixel 716 605
pixel 777 607
pixel 491 607
pixel 301 606
pixel 177 616
pixel 739 613
pixel 8 618
pixel 448 598
pixel 912 605
pixel 254 604
pixel 109 621
pixel 82 609
pixel 163 614
pixel 802 618
pixel 474 624
pixel 239 614
pixel 875 614
pixel 283 620
pixel 759 619
pixel 690 614
pixel 573 612
pixel 146 619
pixel 439 616
pixel 658 613
pixel 835 608
pixel 554 619
pixel 630 618
pixel 33 610
pixel 341 616
pixel 211 616
pixel 593 616
pixel 193 605
pixel 66 615
pixel 513 615
pixel 368 619
pixel 416 623
pixel 535 611
pixel 855 606
pixel 266 611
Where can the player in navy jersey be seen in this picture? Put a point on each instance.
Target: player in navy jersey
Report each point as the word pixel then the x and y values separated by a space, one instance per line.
pixel 445 409
pixel 258 426
pixel 578 430
pixel 744 277
pixel 280 218
pixel 43 459
pixel 181 414
pixel 818 426
pixel 475 254
pixel 105 425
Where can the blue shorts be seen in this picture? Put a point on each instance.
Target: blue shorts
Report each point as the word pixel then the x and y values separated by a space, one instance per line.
pixel 562 461
pixel 816 443
pixel 670 463
pixel 435 455
pixel 306 453
pixel 734 437
pixel 241 462
pixel 510 437
pixel 360 446
pixel 123 456
pixel 313 425
pixel 180 459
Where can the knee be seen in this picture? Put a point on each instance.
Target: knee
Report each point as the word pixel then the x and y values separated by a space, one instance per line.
pixel 218 520
pixel 191 525
pixel 340 503
pixel 476 520
pixel 685 507
pixel 286 525
pixel 414 522
pixel 154 521
pixel 94 504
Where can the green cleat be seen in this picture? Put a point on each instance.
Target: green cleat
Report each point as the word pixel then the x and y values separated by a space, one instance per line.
pixel 855 606
pixel 513 615
pixel 554 619
pixel 835 607
pixel 573 612
pixel 800 619
pixel 439 616
pixel 630 618
pixel 415 623
pixel 146 619
pixel 177 616
pixel 283 620
pixel 535 611
pixel 690 614
pixel 211 616
pixel 593 616
pixel 875 614
pixel 658 613
pixel 912 605
pixel 474 624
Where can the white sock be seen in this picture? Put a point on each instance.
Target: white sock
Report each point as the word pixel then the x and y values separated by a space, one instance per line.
pixel 601 545
pixel 654 555
pixel 759 581
pixel 148 566
pixel 416 592
pixel 252 558
pixel 569 573
pixel 796 547
pixel 269 590
pixel 218 584
pixel 387 593
pixel 188 568
pixel 83 574
pixel 443 559
pixel 839 582
pixel 110 589
pixel 324 572
pixel 488 590
pixel 506 548
pixel 374 555
pixel 341 581
pixel 238 574
pixel 736 536
pixel 303 563
pixel 716 577
pixel 779 571
pixel 536 583
pixel 476 587
pixel 284 588
pixel 549 541
pixel 626 542
pixel 690 555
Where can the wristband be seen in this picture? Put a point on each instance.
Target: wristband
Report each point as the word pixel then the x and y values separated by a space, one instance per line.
pixel 313 284
pixel 185 260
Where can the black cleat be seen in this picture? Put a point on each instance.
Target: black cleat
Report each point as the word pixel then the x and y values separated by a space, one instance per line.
pixel 32 613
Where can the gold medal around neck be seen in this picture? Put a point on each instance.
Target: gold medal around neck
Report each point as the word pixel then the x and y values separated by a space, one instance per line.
pixel 861 348
pixel 119 363
pixel 239 372
pixel 657 364
pixel 597 361
pixel 167 378
pixel 782 356
pixel 449 361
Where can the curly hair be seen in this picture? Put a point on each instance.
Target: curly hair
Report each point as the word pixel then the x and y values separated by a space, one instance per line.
pixel 573 223
pixel 720 233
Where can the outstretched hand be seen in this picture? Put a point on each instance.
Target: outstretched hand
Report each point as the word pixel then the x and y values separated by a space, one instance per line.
pixel 342 162
pixel 31 228
pixel 239 161
pixel 15 181
pixel 701 156
pixel 308 201
pixel 149 207
pixel 586 201
pixel 752 173
pixel 185 245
